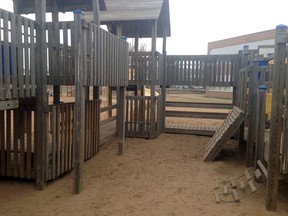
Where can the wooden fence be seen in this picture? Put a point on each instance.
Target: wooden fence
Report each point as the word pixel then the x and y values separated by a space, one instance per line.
pixel 105 56
pixel 17 56
pixel 140 120
pixel 141 71
pixel 202 70
pixel 17 136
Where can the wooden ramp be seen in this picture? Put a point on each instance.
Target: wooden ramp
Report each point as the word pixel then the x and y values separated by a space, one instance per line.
pixel 190 129
pixel 234 119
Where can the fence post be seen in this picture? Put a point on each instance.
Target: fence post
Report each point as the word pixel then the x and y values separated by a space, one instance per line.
pixel 281 39
pixel 80 93
pixel 252 104
pixel 41 95
pixel 261 122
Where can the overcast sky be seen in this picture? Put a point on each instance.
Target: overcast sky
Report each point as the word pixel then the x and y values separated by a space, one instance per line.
pixel 194 23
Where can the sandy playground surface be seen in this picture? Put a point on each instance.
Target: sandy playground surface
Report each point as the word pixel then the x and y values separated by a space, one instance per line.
pixel 165 176
pixel 161 177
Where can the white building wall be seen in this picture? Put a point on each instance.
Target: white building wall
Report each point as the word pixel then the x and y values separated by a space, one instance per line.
pixel 253 45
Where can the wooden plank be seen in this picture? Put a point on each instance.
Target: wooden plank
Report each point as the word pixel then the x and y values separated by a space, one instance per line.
pixel 225 190
pixel 26 56
pixel 9 142
pixel 2 144
pixel 235 195
pixel 247 174
pixel 15 144
pixel 6 49
pixel 214 147
pixel 191 114
pixel 32 60
pixel 199 105
pixel 54 141
pixel 258 174
pixel 20 57
pixel 13 57
pixel 252 186
pixel 242 185
pixel 217 197
pixel 263 168
pixel 233 183
pixel 279 74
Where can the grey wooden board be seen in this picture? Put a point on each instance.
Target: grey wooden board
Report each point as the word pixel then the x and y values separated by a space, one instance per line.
pixel 190 129
pixel 234 119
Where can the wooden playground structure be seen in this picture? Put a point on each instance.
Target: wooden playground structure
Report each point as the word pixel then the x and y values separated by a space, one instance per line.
pixel 42 140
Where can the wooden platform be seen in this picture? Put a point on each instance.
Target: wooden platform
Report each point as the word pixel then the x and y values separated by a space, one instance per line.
pixel 234 119
pixel 190 129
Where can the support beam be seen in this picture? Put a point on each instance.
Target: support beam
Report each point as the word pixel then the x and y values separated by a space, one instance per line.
pixel 164 78
pixel 276 117
pixel 80 93
pixel 55 19
pixel 153 80
pixel 41 81
pixel 260 146
pixel 121 110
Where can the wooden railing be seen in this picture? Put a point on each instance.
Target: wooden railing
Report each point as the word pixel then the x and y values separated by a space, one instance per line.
pixel 143 71
pixel 141 120
pixel 17 56
pixel 202 70
pixel 105 56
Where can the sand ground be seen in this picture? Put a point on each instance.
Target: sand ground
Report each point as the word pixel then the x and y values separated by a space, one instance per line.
pixel 165 176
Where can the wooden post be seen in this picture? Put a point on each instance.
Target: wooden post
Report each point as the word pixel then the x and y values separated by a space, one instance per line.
pixel 96 20
pixel 276 117
pixel 121 109
pixel 164 78
pixel 41 80
pixel 244 63
pixel 122 118
pixel 153 80
pixel 80 93
pixel 252 104
pixel 55 19
pixel 285 130
pixel 261 122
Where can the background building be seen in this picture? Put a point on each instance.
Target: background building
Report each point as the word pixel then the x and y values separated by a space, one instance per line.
pixel 264 41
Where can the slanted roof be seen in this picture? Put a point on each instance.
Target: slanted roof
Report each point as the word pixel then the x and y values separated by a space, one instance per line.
pixel 136 15
pixel 28 6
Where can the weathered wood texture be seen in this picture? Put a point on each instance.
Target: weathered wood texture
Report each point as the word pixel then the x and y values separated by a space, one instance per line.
pixel 105 56
pixel 190 129
pixel 279 76
pixel 224 133
pixel 138 117
pixel 17 56
pixel 17 138
pixel 208 70
pixel 141 68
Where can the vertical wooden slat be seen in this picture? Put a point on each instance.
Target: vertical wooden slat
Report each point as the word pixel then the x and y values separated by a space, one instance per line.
pixel 58 139
pixel 32 60
pixel 1 62
pixel 22 122
pixel 26 56
pixel 2 144
pixel 9 141
pixel 53 121
pixel 15 146
pixel 20 57
pixel 13 57
pixel 6 56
